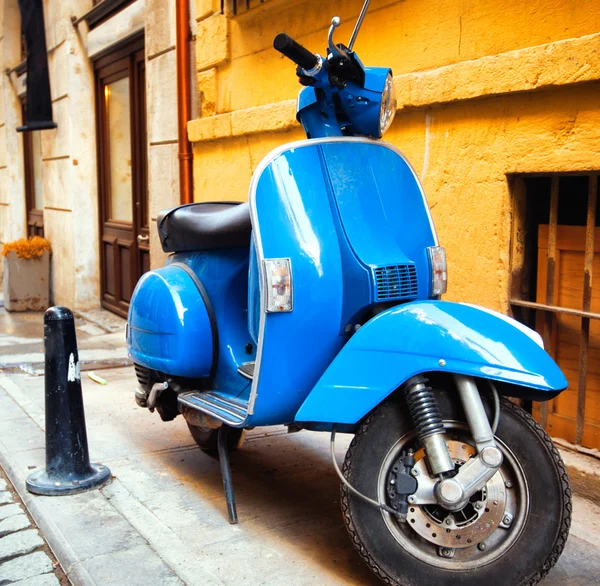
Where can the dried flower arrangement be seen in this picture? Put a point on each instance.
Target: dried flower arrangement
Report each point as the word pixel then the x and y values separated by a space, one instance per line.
pixel 33 247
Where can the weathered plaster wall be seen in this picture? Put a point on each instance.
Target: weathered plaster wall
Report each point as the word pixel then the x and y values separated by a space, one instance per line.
pixel 484 91
pixel 12 185
pixel 161 107
pixel 69 160
pixel 68 153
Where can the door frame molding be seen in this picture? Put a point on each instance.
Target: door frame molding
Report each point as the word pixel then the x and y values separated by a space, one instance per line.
pixel 125 59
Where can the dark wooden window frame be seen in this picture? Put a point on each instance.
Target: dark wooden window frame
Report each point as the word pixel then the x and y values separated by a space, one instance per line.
pixel 125 60
pixel 550 310
pixel 35 217
pixel 234 7
pixel 101 11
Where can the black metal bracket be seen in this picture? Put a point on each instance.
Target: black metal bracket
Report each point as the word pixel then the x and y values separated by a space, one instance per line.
pixel 226 473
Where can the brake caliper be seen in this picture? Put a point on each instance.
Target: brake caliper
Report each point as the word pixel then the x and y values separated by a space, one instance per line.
pixel 401 484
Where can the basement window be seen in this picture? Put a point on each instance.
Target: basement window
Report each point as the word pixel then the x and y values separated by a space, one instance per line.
pixel 235 7
pixel 555 253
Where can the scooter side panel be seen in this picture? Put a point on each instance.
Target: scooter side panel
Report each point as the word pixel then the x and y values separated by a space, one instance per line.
pixel 428 336
pixel 168 326
pixel 224 275
pixel 292 218
pixel 383 209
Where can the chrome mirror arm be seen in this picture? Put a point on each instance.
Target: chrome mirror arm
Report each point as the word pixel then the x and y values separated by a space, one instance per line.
pixel 333 49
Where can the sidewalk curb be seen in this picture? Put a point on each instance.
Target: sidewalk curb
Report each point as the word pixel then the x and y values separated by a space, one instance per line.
pixel 584 473
pixel 63 552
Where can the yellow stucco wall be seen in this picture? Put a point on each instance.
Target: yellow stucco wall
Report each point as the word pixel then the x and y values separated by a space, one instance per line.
pixel 485 90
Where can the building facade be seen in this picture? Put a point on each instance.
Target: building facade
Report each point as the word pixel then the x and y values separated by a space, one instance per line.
pixel 498 112
pixel 93 185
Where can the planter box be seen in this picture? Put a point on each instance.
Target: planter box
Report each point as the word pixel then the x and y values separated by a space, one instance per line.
pixel 26 282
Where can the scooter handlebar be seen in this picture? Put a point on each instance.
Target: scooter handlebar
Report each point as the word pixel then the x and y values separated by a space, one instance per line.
pixel 295 51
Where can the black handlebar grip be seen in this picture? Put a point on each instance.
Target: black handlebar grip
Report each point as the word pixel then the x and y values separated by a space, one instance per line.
pixel 295 51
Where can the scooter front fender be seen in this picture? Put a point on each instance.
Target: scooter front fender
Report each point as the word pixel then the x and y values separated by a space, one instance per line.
pixel 430 336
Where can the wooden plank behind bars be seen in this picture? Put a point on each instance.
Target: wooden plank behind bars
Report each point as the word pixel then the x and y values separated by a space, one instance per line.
pixel 569 275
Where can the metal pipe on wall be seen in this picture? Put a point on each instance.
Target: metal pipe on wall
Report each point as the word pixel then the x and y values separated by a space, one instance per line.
pixel 182 17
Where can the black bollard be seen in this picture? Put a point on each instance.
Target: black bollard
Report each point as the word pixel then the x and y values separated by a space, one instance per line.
pixel 68 469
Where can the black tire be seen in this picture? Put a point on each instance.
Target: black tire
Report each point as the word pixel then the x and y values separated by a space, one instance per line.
pixel 544 526
pixel 206 438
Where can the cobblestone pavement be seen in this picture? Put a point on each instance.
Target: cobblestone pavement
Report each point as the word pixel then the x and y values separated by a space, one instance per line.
pixel 25 559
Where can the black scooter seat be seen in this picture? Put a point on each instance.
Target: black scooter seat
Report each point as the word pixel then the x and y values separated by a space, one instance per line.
pixel 205 226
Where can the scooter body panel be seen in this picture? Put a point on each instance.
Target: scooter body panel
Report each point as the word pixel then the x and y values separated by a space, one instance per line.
pixel 169 328
pixel 292 218
pixel 376 191
pixel 428 336
pixel 224 276
pixel 320 203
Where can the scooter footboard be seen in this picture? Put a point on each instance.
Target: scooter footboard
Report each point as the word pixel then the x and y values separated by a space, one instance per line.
pixel 169 329
pixel 430 336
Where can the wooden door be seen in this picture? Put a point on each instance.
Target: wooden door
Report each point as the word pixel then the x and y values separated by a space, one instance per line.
pixel 122 173
pixel 566 332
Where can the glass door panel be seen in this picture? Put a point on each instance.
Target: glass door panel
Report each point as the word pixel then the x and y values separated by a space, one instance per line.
pixel 118 113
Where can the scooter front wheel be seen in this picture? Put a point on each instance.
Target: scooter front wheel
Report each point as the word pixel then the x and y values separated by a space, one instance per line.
pixel 511 533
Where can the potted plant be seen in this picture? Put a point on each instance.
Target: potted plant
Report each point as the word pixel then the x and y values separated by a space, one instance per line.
pixel 27 274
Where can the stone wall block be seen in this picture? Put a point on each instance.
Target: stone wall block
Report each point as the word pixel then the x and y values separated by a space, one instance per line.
pixel 160 26
pixel 3 77
pixel 207 86
pixel 212 42
pixel 56 142
pixel 272 117
pixel 56 175
pixel 3 157
pixel 161 97
pixel 157 254
pixel 58 229
pixel 163 179
pixel 205 8
pixel 4 194
pixel 209 128
pixel 58 68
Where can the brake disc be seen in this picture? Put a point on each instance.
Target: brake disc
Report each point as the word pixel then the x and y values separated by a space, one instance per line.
pixel 471 525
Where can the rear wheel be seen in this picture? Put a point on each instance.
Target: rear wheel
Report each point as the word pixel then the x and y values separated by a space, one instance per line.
pixel 510 533
pixel 207 437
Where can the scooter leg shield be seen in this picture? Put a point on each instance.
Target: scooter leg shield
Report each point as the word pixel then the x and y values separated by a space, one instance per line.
pixel 169 327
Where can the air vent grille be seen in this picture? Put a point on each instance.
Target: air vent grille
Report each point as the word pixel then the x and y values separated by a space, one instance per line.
pixel 396 282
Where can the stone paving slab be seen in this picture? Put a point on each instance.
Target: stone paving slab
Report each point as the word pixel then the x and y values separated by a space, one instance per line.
pixel 24 567
pixel 7 511
pixel 5 497
pixel 43 580
pixel 20 543
pixel 13 524
pixel 115 569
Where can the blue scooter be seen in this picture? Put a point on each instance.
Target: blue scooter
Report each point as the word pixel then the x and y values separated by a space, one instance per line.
pixel 316 305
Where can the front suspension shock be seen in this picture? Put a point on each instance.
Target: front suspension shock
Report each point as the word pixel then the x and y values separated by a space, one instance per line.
pixel 428 423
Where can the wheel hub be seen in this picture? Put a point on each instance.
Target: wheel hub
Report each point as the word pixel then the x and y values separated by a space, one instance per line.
pixel 470 526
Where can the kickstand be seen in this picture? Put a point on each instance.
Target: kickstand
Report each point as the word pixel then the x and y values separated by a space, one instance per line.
pixel 226 473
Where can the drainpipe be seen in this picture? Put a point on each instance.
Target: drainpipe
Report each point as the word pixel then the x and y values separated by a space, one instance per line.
pixel 182 17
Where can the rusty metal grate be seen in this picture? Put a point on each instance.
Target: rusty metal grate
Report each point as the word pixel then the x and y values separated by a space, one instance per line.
pixel 523 272
pixel 235 7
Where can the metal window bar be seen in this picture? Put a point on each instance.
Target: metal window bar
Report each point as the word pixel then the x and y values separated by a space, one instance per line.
pixel 551 311
pixel 232 6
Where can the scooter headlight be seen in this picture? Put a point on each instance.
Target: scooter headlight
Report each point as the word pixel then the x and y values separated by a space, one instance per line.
pixel 278 276
pixel 439 272
pixel 388 105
